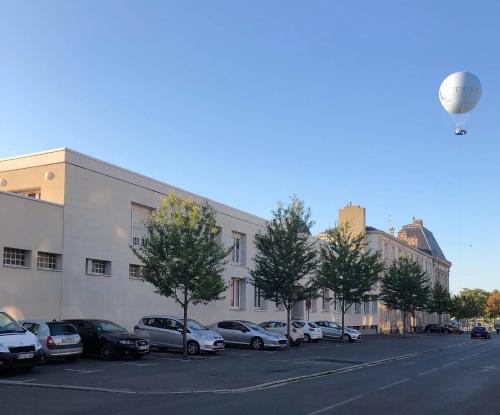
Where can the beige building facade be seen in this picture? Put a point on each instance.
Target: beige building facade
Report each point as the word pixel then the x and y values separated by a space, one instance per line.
pixel 67 225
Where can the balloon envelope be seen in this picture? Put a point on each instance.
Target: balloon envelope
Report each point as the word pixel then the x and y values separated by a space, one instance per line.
pixel 460 92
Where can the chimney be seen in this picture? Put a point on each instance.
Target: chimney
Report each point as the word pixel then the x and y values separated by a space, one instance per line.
pixel 391 231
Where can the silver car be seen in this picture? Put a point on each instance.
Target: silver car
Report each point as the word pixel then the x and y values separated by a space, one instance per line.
pixel 243 332
pixel 59 339
pixel 333 330
pixel 166 332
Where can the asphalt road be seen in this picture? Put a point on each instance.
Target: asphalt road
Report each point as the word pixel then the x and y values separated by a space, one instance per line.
pixel 421 375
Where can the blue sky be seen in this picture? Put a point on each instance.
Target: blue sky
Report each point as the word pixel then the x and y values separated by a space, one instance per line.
pixel 250 102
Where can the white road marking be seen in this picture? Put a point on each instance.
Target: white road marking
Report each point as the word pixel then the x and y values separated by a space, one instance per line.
pixel 390 385
pixel 448 364
pixel 336 405
pixel 24 381
pixel 84 372
pixel 428 371
pixel 140 364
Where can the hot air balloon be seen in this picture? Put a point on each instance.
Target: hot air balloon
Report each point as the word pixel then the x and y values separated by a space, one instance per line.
pixel 459 93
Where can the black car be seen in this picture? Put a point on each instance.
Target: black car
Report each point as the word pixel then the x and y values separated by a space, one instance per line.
pixel 480 332
pixel 108 340
pixel 436 328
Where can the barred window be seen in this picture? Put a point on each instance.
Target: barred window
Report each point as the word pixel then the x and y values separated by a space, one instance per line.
pixel 98 267
pixel 46 260
pixel 14 257
pixel 135 271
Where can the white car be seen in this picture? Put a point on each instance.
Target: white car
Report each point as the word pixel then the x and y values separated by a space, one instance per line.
pixel 19 348
pixel 296 333
pixel 312 333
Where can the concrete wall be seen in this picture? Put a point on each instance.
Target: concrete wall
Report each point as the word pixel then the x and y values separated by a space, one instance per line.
pixel 35 226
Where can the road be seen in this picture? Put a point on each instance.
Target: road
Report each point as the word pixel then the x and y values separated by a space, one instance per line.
pixel 431 376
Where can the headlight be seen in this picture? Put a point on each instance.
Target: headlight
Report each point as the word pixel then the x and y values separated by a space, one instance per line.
pixel 127 342
pixel 3 348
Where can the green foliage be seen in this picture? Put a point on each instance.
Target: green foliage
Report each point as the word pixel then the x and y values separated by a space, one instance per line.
pixel 405 287
pixel 493 304
pixel 181 255
pixel 469 303
pixel 439 300
pixel 347 268
pixel 286 254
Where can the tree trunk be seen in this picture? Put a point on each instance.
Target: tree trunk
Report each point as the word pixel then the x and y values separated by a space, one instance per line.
pixel 343 322
pixel 405 316
pixel 184 331
pixel 288 310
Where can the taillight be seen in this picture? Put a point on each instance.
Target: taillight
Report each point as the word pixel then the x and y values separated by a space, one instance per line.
pixel 50 342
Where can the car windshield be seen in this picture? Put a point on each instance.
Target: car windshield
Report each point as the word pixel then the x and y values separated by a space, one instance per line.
pixel 62 329
pixel 108 327
pixel 311 324
pixel 9 326
pixel 299 323
pixel 195 326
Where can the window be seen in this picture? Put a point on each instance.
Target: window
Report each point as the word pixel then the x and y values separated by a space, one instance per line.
pixel 374 306
pixel 335 303
pixel 13 257
pixel 237 254
pixel 48 261
pixel 259 300
pixel 138 217
pixel 135 272
pixel 32 194
pixel 314 305
pixel 366 307
pixel 326 300
pixel 98 267
pixel 357 307
pixel 237 293
pixel 386 251
pixel 393 251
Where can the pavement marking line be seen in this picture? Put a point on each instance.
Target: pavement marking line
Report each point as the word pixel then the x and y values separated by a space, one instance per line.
pixel 390 385
pixel 139 364
pixel 267 385
pixel 83 371
pixel 448 364
pixel 336 405
pixel 428 371
pixel 24 381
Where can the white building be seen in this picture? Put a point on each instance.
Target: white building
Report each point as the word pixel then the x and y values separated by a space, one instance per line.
pixel 67 224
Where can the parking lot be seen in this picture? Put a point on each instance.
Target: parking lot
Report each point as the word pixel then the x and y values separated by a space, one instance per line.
pixel 230 370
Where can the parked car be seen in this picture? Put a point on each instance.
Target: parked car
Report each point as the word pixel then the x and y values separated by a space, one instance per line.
pixel 108 340
pixel 480 332
pixel 243 332
pixel 166 331
pixel 19 348
pixel 58 338
pixel 436 328
pixel 296 333
pixel 311 331
pixel 451 328
pixel 333 330
pixel 497 326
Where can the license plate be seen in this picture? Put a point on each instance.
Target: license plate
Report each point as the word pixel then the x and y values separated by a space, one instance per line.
pixel 68 341
pixel 25 356
pixel 143 347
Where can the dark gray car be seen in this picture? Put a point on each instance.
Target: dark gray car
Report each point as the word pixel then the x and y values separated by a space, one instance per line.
pixel 246 333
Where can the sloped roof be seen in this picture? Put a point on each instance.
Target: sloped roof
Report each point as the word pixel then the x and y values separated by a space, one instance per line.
pixel 425 239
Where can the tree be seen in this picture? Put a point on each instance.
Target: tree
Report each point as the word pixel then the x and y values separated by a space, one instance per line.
pixel 475 300
pixel 493 304
pixel 181 255
pixel 439 300
pixel 347 269
pixel 286 254
pixel 404 287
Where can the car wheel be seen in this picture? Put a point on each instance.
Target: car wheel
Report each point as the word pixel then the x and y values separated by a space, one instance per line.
pixel 257 343
pixel 108 352
pixel 346 338
pixel 307 338
pixel 193 348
